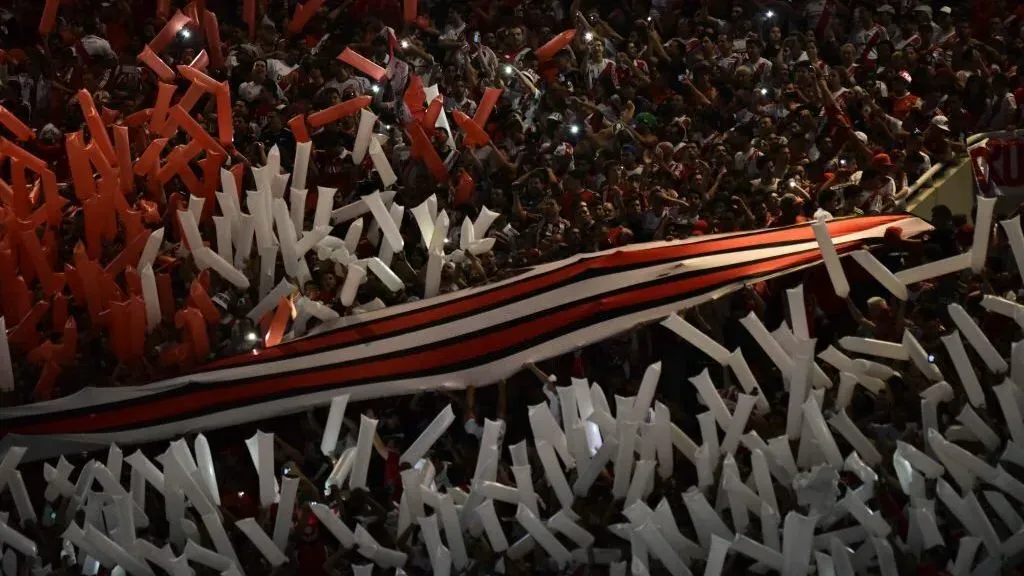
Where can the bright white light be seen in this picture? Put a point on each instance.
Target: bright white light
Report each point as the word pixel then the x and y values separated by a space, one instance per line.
pixel 588 36
pixel 375 88
pixel 508 70
pixel 185 33
pixel 405 44
pixel 769 14
pixel 931 358
pixel 240 493
pixel 764 91
pixel 574 129
pixel 251 336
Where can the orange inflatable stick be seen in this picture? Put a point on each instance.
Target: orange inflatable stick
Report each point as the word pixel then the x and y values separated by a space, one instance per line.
pixel 471 128
pixel 163 104
pixel 49 19
pixel 137 327
pixel 96 215
pixel 212 30
pixel 150 158
pixel 15 125
pixel 166 35
pixel 97 158
pixel 65 352
pixel 338 111
pixel 200 300
pixel 156 64
pixel 298 127
pixel 197 76
pixel 303 13
pixel 118 319
pixel 47 379
pixel 124 159
pixel 18 190
pixel 415 97
pixel 277 326
pixel 225 116
pixel 555 45
pixel 51 283
pixel 136 119
pixel 364 65
pixel 165 290
pixel 59 311
pixel 132 219
pixel 109 116
pixel 190 321
pixel 421 144
pixel 26 334
pixel 97 129
pixel 163 8
pixel 54 201
pixel 464 189
pixel 483 112
pixel 128 255
pixel 201 61
pixel 133 281
pixel 249 17
pixel 187 102
pixel 193 129
pixel 179 355
pixel 432 113
pixel 12 150
pixel 17 298
pixel 409 10
pixel 81 169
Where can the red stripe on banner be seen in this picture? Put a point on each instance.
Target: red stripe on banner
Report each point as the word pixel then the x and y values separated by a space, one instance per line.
pixel 226 396
pixel 511 292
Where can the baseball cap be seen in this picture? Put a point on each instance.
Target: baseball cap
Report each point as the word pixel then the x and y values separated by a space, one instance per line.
pixel 946 10
pixel 941 122
pixel 923 8
pixel 881 159
pixel 886 8
pixel 861 136
pixel 905 76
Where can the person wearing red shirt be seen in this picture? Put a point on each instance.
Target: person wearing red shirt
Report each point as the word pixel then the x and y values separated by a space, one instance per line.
pixel 902 100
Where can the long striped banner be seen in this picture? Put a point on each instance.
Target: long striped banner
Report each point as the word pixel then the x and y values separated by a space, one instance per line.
pixel 475 336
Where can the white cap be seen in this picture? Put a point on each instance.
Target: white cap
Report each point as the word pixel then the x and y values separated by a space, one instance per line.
pixel 946 10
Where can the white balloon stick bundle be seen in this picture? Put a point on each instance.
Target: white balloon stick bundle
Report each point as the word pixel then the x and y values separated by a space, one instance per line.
pixel 701 341
pixel 261 451
pixel 872 347
pixel 332 429
pixel 955 347
pixel 429 436
pixel 831 259
pixel 977 339
pixel 263 543
pixel 982 232
pixel 770 346
pixel 935 269
pixel 1016 239
pixel 364 449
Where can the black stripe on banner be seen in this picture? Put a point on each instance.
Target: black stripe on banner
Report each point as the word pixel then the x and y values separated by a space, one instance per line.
pixel 453 367
pixel 583 274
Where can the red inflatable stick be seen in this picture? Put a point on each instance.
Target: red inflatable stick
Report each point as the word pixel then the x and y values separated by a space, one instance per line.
pixel 18 190
pixel 190 321
pixel 303 13
pixel 128 256
pixel 338 111
pixel 136 119
pixel 364 65
pixel 15 125
pixel 249 17
pixel 201 61
pixel 483 112
pixel 278 324
pixel 432 113
pixel 123 147
pixel 409 10
pixel 49 19
pixel 137 326
pixel 193 129
pixel 26 334
pixel 156 64
pixel 59 312
pixel 47 379
pixel 554 46
pixel 212 30
pixel 464 189
pixel 298 127
pixel 150 158
pixel 163 103
pixel 415 97
pixel 200 300
pixel 52 283
pixel 97 129
pixel 225 116
pixel 197 76
pixel 81 168
pixel 422 148
pixel 472 130
pixel 12 150
pixel 133 281
pixel 166 35
pixel 54 201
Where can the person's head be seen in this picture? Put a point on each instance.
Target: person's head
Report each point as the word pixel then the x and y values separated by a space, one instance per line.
pixel 1000 85
pixel 878 309
pixel 515 37
pixel 942 216
pixel 789 206
pixel 828 199
pixel 923 14
pixel 379 50
pixel 885 14
pixel 865 18
pixel 944 17
pixel 259 71
pixel 754 49
pixel 549 209
pixel 775 35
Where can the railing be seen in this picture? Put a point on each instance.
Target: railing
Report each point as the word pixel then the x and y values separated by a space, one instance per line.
pixel 950 183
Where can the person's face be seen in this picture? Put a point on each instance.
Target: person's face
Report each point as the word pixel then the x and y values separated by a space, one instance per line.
pixel 634 207
pixel 583 214
pixel 775 34
pixel 534 186
pixel 551 211
pixel 922 17
pixel 488 39
pixel 812 51
pixel 754 50
pixel 330 283
pixel 847 53
pixel 259 71
pixel 515 37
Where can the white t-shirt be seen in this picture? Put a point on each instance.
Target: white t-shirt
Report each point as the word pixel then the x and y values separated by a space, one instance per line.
pixel 96 46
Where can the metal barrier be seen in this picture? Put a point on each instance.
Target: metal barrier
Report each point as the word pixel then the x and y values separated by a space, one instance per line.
pixel 951 183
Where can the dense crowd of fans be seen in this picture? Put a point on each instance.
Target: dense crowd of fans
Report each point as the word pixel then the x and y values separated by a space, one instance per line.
pixel 661 120
pixel 657 121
